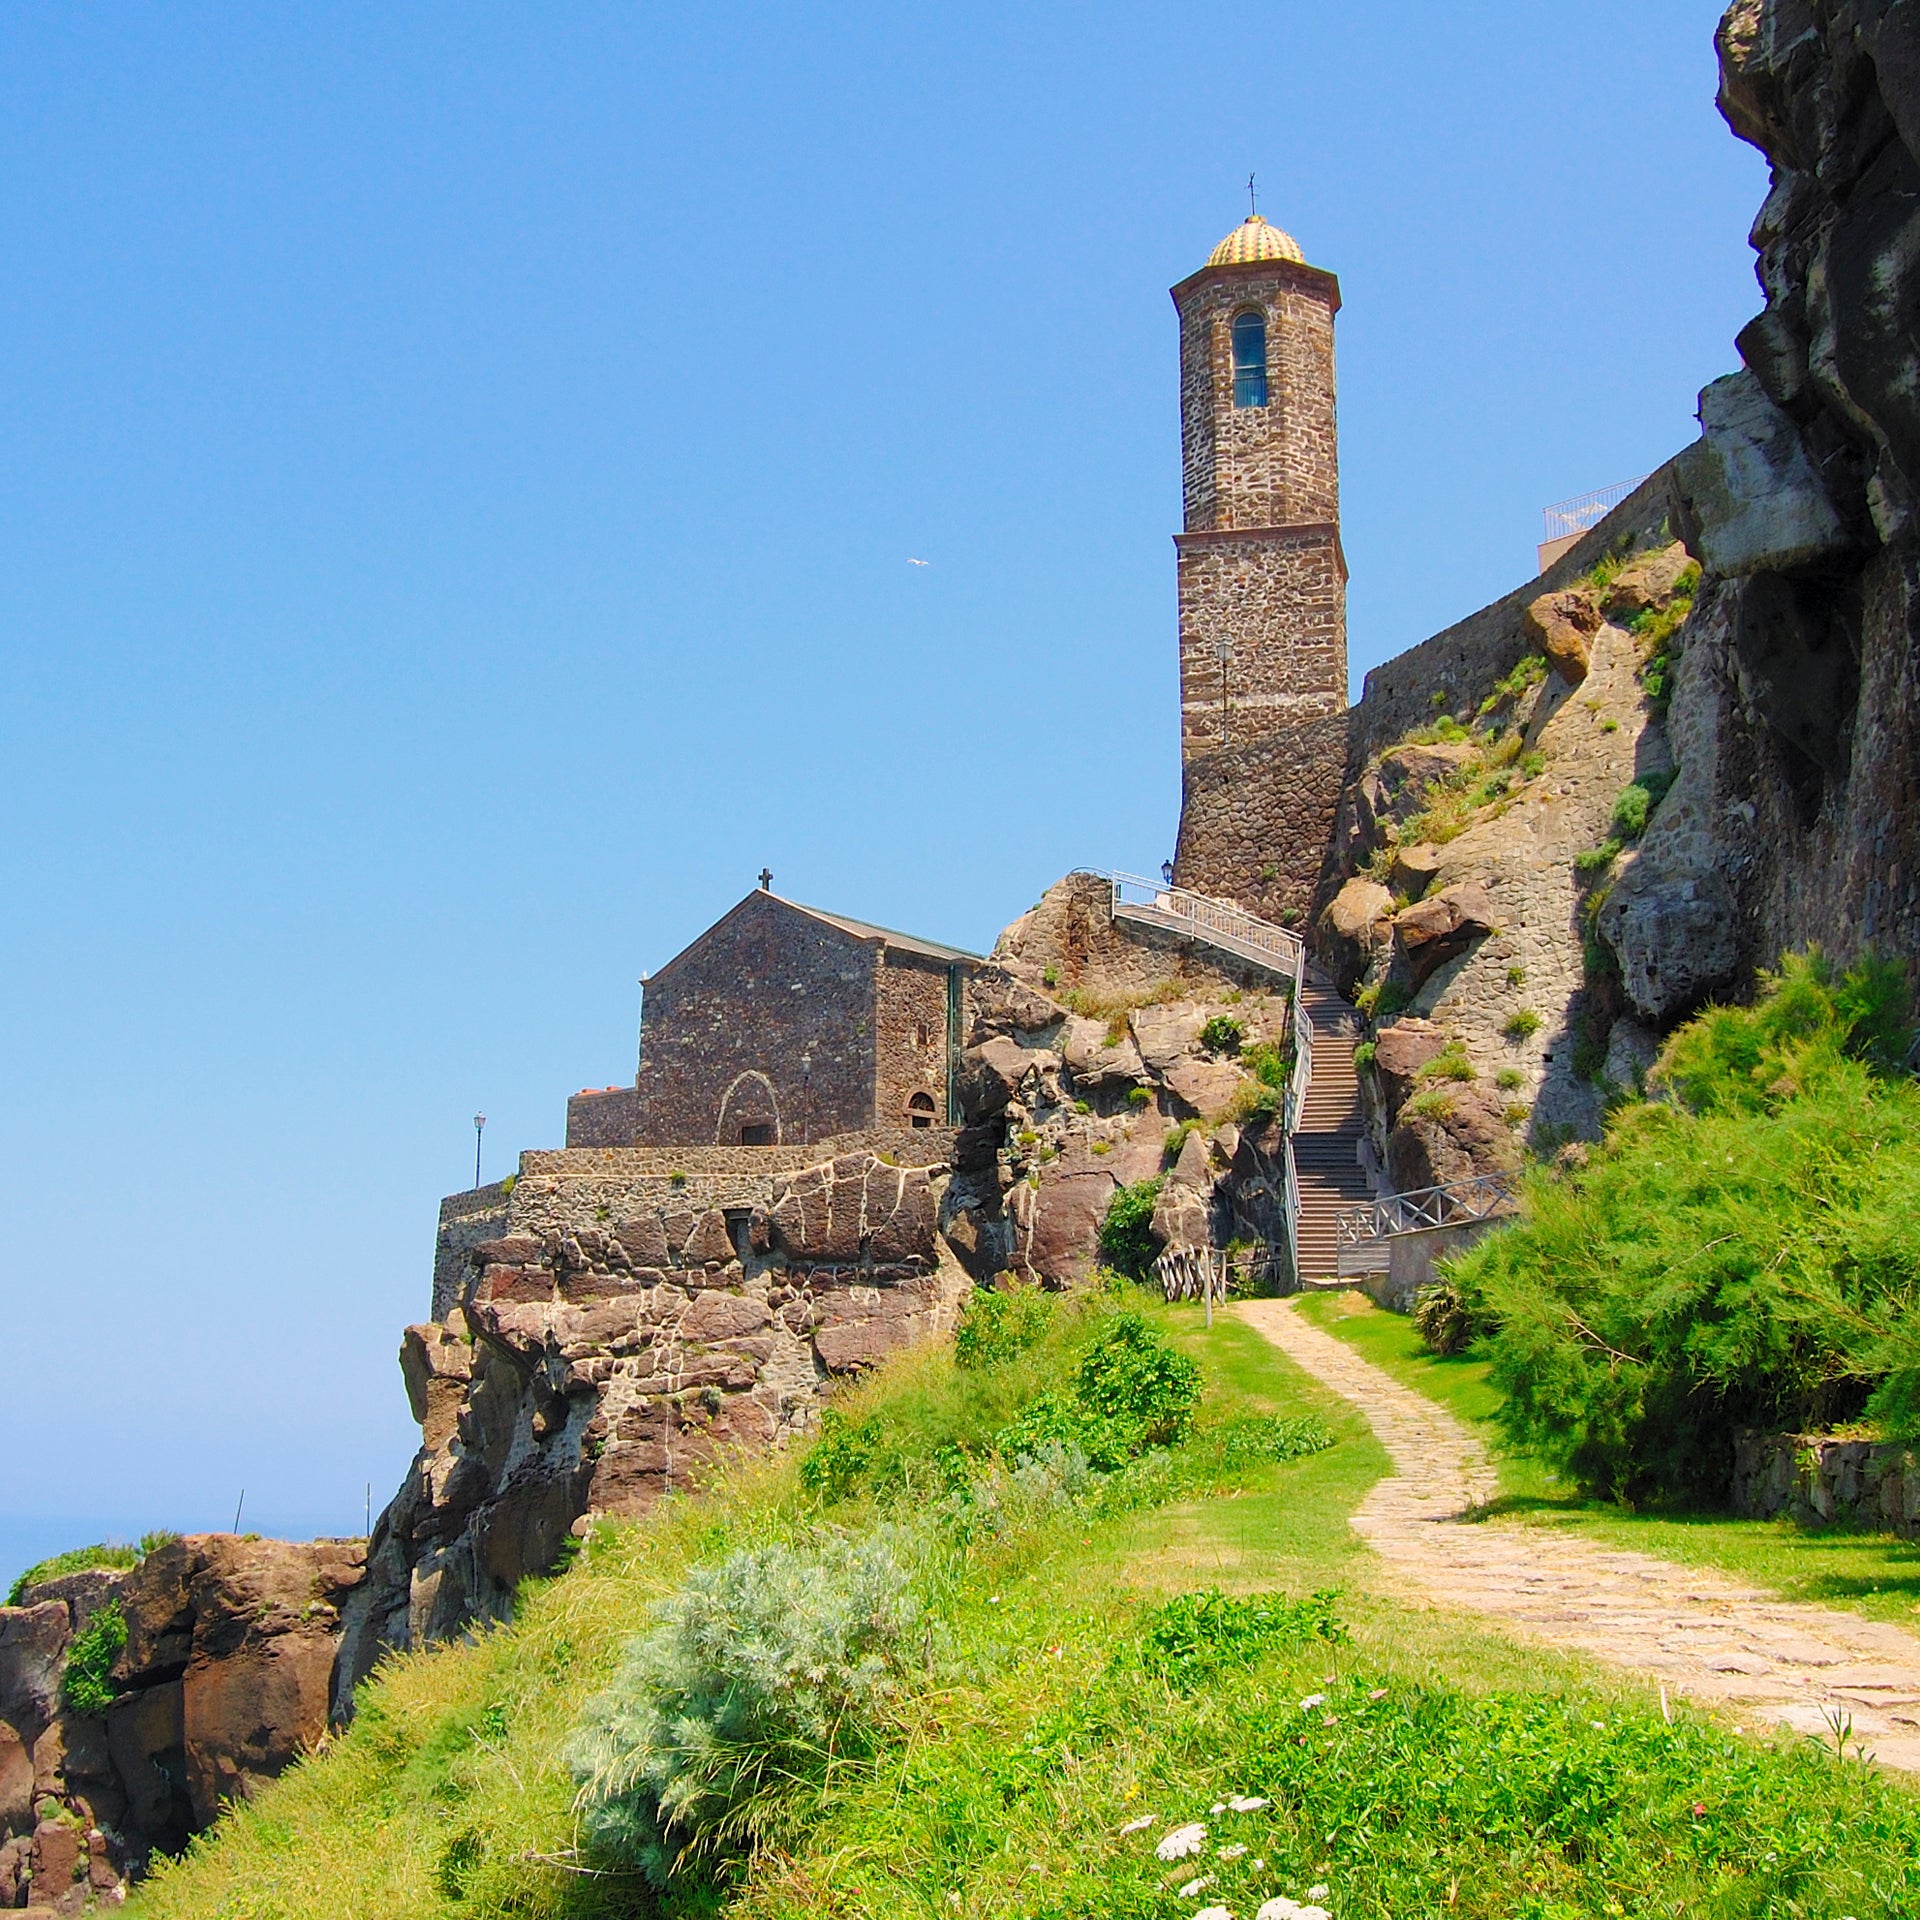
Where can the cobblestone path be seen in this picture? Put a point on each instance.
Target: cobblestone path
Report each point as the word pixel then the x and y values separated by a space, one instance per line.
pixel 1699 1633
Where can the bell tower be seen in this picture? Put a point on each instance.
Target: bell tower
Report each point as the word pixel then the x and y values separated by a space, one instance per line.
pixel 1262 580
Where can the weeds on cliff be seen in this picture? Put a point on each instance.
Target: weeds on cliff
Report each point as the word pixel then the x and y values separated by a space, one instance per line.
pixel 994 1326
pixel 1509 1079
pixel 1737 1252
pixel 1524 677
pixel 1451 1063
pixel 1176 1139
pixel 1521 1025
pixel 1363 1054
pixel 1596 859
pixel 1636 803
pixel 87 1683
pixel 1430 1103
pixel 1223 1034
pixel 1126 1231
pixel 108 1554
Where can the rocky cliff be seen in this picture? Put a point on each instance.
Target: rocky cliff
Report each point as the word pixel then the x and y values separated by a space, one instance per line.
pixel 211 1665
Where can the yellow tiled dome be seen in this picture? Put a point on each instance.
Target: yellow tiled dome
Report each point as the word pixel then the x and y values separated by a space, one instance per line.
pixel 1255 239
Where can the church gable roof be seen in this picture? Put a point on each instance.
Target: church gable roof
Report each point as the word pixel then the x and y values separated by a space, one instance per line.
pixel 860 930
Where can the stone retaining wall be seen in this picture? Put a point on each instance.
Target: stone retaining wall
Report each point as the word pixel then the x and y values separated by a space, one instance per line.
pixel 1814 1478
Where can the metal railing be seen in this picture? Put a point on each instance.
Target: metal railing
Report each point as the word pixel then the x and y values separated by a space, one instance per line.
pixel 1458 1203
pixel 1232 929
pixel 1567 517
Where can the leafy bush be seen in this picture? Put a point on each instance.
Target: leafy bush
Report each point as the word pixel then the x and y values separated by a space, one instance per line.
pixel 87 1682
pixel 1175 1140
pixel 842 1455
pixel 79 1560
pixel 1444 1318
pixel 1736 1253
pixel 1132 1392
pixel 1450 1063
pixel 1363 1054
pixel 1268 1065
pixel 1222 1034
pixel 1636 803
pixel 1126 1233
pixel 1254 1100
pixel 1508 1078
pixel 1596 858
pixel 1527 675
pixel 1430 1103
pixel 994 1325
pixel 1193 1636
pixel 1522 1024
pixel 1139 1096
pixel 726 1715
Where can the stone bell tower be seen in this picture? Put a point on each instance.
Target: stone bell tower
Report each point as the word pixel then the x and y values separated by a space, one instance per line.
pixel 1263 583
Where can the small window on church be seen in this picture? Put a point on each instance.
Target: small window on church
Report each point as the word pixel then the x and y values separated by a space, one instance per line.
pixel 920 1110
pixel 757 1133
pixel 1249 360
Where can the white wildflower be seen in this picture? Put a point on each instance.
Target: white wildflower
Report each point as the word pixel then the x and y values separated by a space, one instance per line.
pixel 1231 1853
pixel 1321 1892
pixel 1193 1886
pixel 1246 1803
pixel 1219 1806
pixel 1214 1913
pixel 1140 1825
pixel 1311 1701
pixel 1182 1841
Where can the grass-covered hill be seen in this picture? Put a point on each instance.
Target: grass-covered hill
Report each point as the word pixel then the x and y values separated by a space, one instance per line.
pixel 1065 1621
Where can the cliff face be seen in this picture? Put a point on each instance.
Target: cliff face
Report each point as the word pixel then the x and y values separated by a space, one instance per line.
pixel 1796 817
pixel 223 1678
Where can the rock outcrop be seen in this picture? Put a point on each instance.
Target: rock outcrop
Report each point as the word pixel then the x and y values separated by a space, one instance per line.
pixel 224 1677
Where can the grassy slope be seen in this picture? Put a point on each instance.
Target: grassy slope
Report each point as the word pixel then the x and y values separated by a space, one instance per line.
pixel 1448 1772
pixel 1869 1573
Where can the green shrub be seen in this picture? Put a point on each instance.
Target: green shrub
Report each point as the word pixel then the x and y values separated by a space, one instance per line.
pixel 1175 1140
pixel 1363 1054
pixel 1451 1063
pixel 1126 1233
pixel 1528 674
pixel 1222 1034
pixel 1508 1078
pixel 1522 1024
pixel 80 1560
pixel 1194 1636
pixel 1254 1101
pixel 1445 1319
pixel 87 1683
pixel 1636 803
pixel 1430 1103
pixel 1594 859
pixel 994 1326
pixel 1268 1065
pixel 841 1456
pixel 1738 1252
pixel 726 1716
pixel 1139 1096
pixel 1132 1392
pixel 1533 765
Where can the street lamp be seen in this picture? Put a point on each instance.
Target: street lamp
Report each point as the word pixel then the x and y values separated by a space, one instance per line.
pixel 479 1126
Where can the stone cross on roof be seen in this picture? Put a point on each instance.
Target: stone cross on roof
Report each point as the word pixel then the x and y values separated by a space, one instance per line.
pixel 766 879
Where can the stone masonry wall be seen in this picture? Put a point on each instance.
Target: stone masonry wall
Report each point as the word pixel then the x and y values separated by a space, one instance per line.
pixel 768 1017
pixel 910 1000
pixel 1255 821
pixel 603 1117
pixel 1278 598
pixel 1258 466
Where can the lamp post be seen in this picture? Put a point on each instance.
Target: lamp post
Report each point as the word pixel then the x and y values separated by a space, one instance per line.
pixel 479 1126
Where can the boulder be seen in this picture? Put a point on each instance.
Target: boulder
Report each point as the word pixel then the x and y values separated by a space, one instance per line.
pixel 1677 936
pixel 860 1326
pixel 1647 581
pixel 33 1652
pixel 1466 1138
pixel 1434 930
pixel 1093 1062
pixel 147 1737
pixel 1206 1088
pixel 1003 1004
pixel 1415 868
pixel 1632 1048
pixel 1399 1052
pixel 710 1244
pixel 1357 923
pixel 1747 495
pixel 1562 626
pixel 1406 774
pixel 1165 1035
pixel 990 1075
pixel 56 1857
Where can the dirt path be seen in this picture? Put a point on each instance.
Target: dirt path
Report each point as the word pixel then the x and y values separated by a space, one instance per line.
pixel 1697 1633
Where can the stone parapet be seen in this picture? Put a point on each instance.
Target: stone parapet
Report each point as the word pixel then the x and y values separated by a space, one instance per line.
pixel 1817 1479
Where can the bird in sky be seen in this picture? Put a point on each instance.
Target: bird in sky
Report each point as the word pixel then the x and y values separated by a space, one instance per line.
pixel 912 562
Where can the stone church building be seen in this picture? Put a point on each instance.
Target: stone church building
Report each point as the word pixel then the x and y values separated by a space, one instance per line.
pixel 783 1025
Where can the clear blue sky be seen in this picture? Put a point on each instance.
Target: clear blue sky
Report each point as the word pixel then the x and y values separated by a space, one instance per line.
pixel 458 471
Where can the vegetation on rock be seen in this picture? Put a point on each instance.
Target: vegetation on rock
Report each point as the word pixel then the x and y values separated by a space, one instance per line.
pixel 1738 1251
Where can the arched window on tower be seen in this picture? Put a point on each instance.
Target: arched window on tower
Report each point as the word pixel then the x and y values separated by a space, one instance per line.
pixel 1249 360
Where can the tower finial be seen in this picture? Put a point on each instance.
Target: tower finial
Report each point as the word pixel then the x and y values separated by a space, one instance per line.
pixel 1253 206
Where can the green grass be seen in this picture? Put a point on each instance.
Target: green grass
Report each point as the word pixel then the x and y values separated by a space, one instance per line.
pixel 1874 1574
pixel 1447 1771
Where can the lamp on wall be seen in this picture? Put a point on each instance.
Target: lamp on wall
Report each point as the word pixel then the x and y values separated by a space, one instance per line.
pixel 479 1126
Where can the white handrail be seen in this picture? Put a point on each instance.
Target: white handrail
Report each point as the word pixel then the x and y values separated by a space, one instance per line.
pixel 1456 1204
pixel 1219 924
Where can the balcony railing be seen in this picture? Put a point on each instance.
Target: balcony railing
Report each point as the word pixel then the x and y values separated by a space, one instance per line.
pixel 1245 935
pixel 1568 517
pixel 1457 1204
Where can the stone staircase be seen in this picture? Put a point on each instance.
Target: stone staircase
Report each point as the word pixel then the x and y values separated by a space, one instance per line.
pixel 1326 1144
